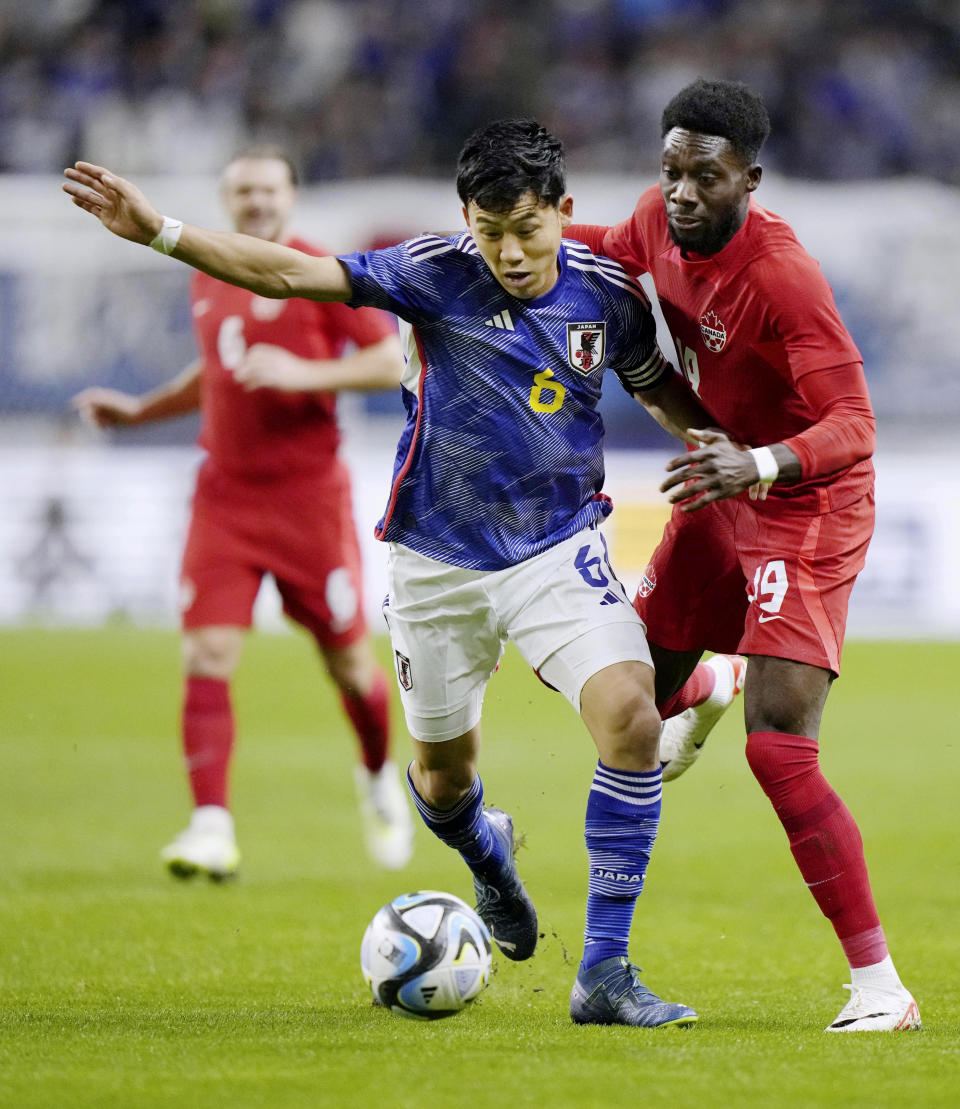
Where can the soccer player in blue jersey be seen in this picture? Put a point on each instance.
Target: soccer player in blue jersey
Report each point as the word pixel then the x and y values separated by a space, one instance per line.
pixel 492 520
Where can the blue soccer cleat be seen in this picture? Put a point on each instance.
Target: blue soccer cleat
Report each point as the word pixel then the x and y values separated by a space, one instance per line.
pixel 503 904
pixel 611 993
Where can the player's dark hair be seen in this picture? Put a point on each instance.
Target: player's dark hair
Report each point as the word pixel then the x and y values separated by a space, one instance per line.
pixel 503 160
pixel 268 152
pixel 726 108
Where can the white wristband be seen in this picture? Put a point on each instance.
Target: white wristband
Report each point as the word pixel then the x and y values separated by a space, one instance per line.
pixel 767 466
pixel 168 236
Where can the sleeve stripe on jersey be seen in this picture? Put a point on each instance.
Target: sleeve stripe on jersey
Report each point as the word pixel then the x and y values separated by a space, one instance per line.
pixel 584 254
pixel 425 242
pixel 621 279
pixel 466 244
pixel 613 268
pixel 585 257
pixel 429 248
pixel 649 373
pixel 575 246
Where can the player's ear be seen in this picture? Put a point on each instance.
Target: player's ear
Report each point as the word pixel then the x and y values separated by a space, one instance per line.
pixel 565 208
pixel 466 215
pixel 754 173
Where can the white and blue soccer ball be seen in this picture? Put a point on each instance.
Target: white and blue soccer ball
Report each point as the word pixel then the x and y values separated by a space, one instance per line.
pixel 426 955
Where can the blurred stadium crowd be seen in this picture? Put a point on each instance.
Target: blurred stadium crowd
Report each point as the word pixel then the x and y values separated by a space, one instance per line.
pixel 859 89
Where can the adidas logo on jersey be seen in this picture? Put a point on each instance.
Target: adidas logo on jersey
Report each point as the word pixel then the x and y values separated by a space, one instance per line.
pixel 501 321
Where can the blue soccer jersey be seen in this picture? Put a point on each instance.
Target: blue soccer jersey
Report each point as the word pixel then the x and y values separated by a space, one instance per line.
pixel 501 456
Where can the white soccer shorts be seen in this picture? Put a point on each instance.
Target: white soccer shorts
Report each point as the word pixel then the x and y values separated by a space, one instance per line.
pixel 565 610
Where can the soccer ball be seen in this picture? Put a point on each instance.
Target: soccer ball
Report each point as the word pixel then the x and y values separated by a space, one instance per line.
pixel 426 955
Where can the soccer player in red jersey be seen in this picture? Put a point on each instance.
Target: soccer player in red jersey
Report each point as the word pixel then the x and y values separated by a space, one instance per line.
pixel 761 344
pixel 272 496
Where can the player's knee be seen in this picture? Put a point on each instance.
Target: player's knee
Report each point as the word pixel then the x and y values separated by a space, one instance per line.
pixel 786 718
pixel 636 715
pixel 353 673
pixel 786 697
pixel 211 652
pixel 632 726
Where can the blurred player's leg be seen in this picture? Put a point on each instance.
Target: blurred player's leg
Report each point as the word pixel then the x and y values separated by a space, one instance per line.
pixel 384 809
pixel 208 845
pixel 321 582
pixel 711 690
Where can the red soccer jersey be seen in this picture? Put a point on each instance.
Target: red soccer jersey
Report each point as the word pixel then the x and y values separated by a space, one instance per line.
pixel 268 432
pixel 759 340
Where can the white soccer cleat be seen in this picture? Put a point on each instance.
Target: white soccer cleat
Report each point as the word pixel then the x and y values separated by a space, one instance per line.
pixel 207 846
pixel 387 826
pixel 877 1009
pixel 682 736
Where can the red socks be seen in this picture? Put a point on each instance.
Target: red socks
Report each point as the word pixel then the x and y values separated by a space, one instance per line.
pixel 824 839
pixel 370 716
pixel 697 689
pixel 208 731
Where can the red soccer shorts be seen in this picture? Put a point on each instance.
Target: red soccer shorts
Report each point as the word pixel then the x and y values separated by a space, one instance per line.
pixel 298 529
pixel 756 578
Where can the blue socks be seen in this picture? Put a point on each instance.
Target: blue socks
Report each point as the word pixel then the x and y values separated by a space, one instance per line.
pixel 623 814
pixel 464 829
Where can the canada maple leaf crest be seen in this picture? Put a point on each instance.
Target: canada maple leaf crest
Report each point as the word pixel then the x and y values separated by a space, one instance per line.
pixel 713 332
pixel 648 582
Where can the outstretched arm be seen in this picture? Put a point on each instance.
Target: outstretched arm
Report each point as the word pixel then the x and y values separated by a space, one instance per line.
pixel 265 268
pixel 102 407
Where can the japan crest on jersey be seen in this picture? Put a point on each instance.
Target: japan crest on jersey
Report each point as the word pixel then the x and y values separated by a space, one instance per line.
pixel 586 345
pixel 404 672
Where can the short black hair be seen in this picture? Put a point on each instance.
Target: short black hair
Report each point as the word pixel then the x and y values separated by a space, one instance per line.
pixel 268 152
pixel 503 160
pixel 726 108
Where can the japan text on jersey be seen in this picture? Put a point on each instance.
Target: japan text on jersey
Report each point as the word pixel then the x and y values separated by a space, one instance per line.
pixel 501 456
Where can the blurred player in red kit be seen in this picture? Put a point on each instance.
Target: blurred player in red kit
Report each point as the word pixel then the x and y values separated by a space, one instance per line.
pixel 272 497
pixel 762 346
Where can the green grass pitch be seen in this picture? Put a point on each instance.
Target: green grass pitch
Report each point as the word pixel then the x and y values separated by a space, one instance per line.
pixel 123 987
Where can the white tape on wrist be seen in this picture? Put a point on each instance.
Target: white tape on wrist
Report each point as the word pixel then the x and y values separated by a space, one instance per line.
pixel 168 236
pixel 767 466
